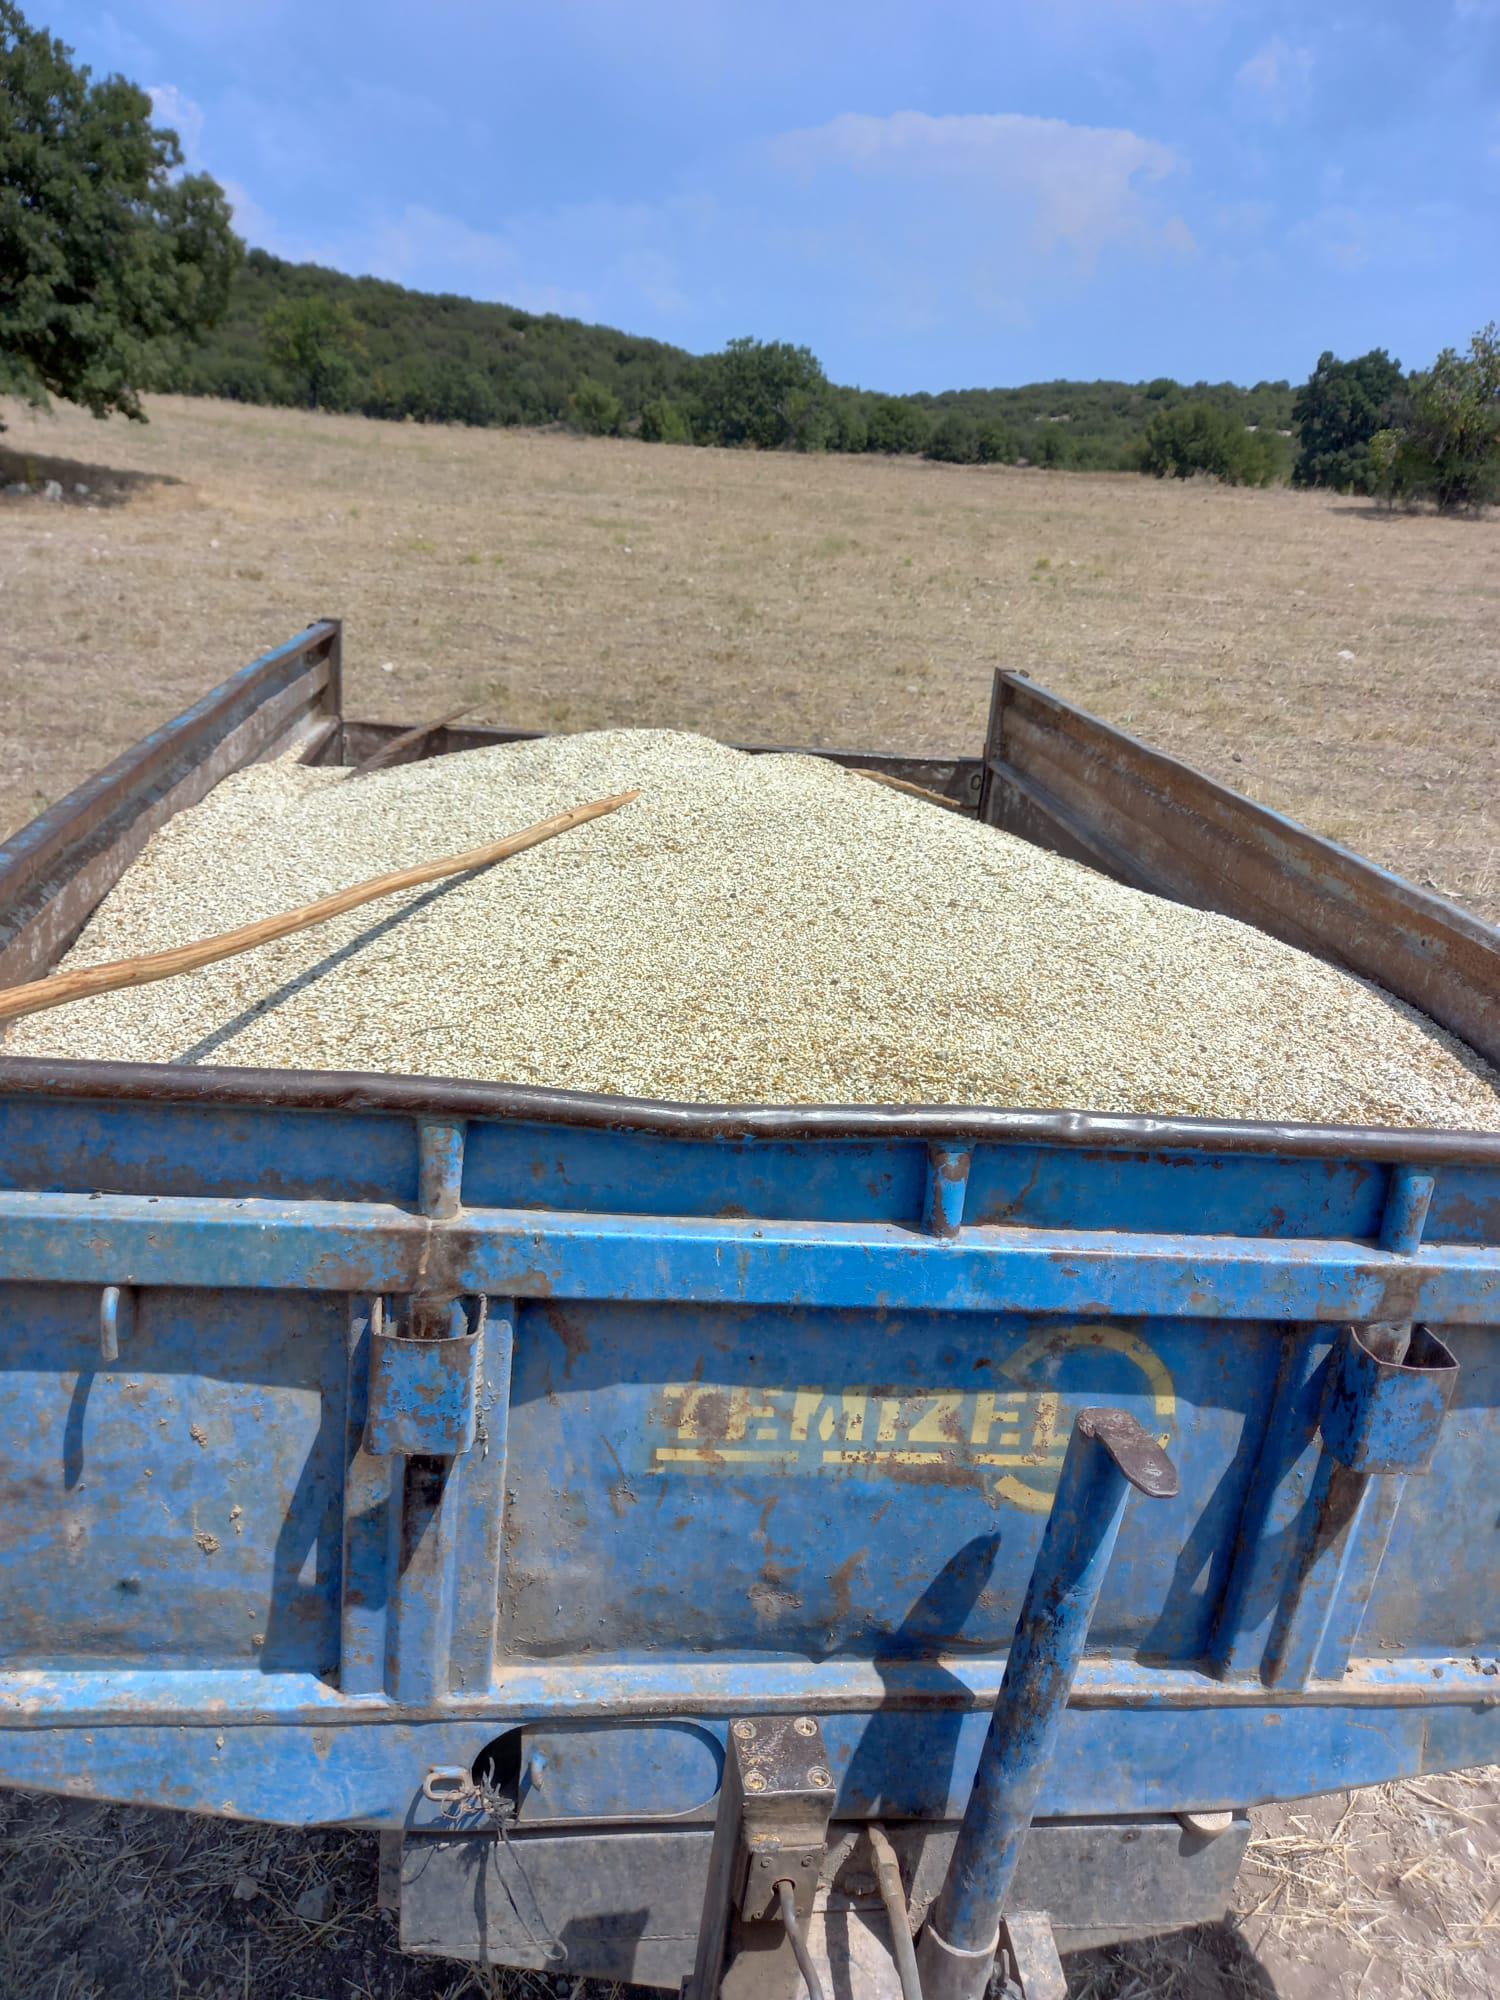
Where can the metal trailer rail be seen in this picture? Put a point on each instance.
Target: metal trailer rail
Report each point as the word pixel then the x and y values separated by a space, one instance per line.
pixel 630 1509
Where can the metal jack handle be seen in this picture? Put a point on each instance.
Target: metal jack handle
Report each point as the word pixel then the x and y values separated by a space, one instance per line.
pixel 1108 1453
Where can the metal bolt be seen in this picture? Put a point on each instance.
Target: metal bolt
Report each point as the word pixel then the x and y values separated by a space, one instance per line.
pixel 805 1726
pixel 754 1782
pixel 744 1729
pixel 807 1861
pixel 818 1776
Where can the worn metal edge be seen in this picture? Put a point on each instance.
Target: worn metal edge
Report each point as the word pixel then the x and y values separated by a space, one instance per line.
pixel 367 1091
pixel 449 739
pixel 1431 903
pixel 50 1698
pixel 30 847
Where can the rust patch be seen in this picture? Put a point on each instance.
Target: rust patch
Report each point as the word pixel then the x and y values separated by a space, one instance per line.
pixel 939 1470
pixel 771 1595
pixel 575 1342
pixel 621 1493
pixel 711 1416
pixel 840 1582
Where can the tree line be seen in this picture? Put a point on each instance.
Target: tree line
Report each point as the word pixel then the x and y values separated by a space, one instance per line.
pixel 295 333
pixel 121 274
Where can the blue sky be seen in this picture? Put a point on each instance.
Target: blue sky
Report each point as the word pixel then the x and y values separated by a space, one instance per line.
pixel 934 195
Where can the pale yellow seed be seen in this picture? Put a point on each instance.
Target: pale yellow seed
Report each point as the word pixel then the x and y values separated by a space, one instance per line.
pixel 750 930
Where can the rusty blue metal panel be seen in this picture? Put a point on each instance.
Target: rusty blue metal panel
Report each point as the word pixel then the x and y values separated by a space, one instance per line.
pixel 1387 1416
pixel 372 1490
pixel 104 1147
pixel 179 1505
pixel 742 1479
pixel 748 1429
pixel 888 1763
pixel 1441 1569
pixel 422 1393
pixel 343 1246
pixel 478 1499
pixel 578 1690
pixel 630 1173
pixel 278 1150
pixel 1170 1190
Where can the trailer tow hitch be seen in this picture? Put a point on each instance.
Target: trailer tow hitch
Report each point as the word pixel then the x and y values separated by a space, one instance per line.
pixel 770 1842
pixel 1108 1454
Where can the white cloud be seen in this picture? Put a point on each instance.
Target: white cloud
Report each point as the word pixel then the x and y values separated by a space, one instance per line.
pixel 1277 78
pixel 250 219
pixel 920 225
pixel 1074 187
pixel 629 254
pixel 170 106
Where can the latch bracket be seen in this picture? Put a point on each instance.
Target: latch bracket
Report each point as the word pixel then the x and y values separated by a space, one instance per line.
pixel 422 1396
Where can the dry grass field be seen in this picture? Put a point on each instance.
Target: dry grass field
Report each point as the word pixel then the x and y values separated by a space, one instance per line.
pixel 1334 663
pixel 1330 661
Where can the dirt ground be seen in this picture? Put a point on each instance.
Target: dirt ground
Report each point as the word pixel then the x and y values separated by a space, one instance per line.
pixel 1330 661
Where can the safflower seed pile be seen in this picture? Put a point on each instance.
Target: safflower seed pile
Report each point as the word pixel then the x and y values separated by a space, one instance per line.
pixel 750 930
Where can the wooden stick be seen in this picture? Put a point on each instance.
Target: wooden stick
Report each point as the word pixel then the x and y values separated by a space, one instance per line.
pixel 905 785
pixel 62 987
pixel 378 759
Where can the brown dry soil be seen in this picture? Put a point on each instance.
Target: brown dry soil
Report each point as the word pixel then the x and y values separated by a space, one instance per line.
pixel 1335 663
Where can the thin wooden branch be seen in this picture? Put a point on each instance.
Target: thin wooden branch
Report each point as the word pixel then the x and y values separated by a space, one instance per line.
pixel 388 752
pixel 905 785
pixel 86 981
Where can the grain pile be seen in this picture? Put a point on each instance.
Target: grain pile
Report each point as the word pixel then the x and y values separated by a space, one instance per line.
pixel 768 929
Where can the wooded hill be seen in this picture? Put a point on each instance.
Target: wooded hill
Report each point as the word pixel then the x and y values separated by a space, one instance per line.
pixel 389 352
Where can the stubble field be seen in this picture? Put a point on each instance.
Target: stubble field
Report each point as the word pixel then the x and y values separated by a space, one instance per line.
pixel 1339 665
pixel 1335 663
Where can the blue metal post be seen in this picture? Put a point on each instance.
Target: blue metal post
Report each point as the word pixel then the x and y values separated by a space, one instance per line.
pixel 947 1185
pixel 1107 1454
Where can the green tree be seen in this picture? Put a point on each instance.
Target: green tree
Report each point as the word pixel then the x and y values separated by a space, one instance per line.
pixel 663 422
pixel 765 393
pixel 1050 447
pixel 1338 410
pixel 1389 466
pixel 851 430
pixel 1450 442
pixel 897 426
pixel 954 441
pixel 110 258
pixel 1189 438
pixel 317 341
pixel 996 445
pixel 451 393
pixel 595 410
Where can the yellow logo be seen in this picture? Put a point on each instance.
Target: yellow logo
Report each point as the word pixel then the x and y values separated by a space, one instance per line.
pixel 1010 1440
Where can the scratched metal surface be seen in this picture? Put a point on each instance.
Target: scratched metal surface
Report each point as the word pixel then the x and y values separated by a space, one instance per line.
pixel 816 1484
pixel 770 1462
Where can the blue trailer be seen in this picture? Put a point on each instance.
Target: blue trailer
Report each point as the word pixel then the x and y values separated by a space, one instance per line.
pixel 714 1545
